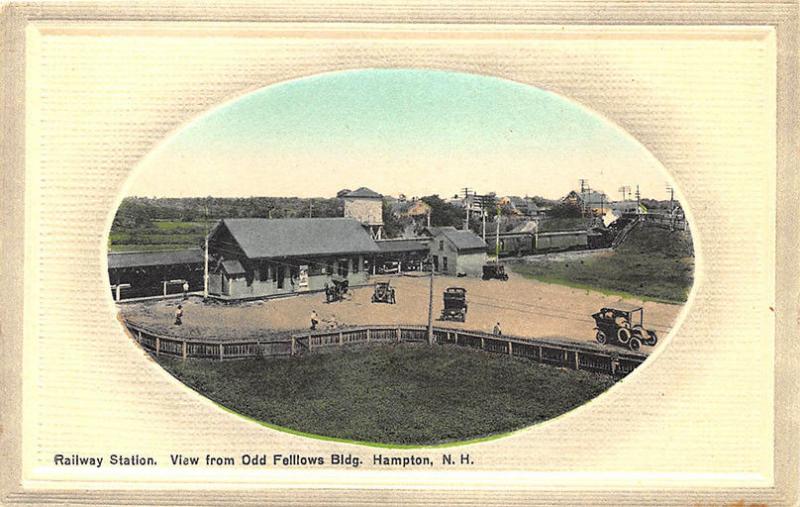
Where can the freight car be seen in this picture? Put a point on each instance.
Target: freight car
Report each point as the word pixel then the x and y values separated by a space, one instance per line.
pixel 527 243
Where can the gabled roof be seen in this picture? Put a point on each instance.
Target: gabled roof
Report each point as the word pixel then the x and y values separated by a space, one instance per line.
pixel 364 192
pixel 121 260
pixel 233 267
pixel 462 240
pixel 261 238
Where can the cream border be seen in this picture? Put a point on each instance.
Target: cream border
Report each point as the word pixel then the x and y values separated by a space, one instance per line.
pixel 781 15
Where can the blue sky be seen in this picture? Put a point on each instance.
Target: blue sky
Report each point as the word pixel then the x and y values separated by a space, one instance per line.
pixel 412 131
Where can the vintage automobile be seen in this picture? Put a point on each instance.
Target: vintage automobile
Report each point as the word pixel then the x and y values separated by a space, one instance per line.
pixel 455 304
pixel 384 293
pixel 337 290
pixel 494 270
pixel 623 325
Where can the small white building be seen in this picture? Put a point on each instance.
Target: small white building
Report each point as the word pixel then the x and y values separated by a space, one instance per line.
pixel 456 251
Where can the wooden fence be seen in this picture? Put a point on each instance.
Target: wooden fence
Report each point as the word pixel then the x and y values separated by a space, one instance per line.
pixel 576 355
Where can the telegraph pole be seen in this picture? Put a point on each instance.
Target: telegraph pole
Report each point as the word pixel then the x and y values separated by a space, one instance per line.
pixel 497 237
pixel 430 303
pixel 310 207
pixel 671 197
pixel 583 184
pixel 638 200
pixel 205 260
pixel 467 206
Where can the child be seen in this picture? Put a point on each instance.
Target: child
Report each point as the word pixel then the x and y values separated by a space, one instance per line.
pixel 179 315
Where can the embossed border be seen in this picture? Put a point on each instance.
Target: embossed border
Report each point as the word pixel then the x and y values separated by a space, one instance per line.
pixel 782 16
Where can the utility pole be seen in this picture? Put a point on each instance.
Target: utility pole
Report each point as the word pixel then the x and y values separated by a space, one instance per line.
pixel 467 206
pixel 310 207
pixel 671 197
pixel 205 259
pixel 483 224
pixel 638 200
pixel 497 237
pixel 625 191
pixel 583 184
pixel 430 303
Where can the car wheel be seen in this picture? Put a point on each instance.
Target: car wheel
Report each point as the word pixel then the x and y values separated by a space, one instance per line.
pixel 635 344
pixel 623 335
pixel 601 338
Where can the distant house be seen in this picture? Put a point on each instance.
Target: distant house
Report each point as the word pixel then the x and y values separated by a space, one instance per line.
pixel 366 206
pixel 523 206
pixel 256 257
pixel 456 251
pixel 589 201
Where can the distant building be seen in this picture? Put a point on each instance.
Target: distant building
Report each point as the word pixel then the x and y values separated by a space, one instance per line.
pixel 522 206
pixel 456 251
pixel 591 202
pixel 366 206
pixel 256 257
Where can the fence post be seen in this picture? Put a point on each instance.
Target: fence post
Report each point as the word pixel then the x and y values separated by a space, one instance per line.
pixel 294 340
pixel 398 335
pixel 483 343
pixel 183 350
pixel 510 349
pixel 158 345
pixel 139 336
pixel 367 335
pixel 455 336
pixel 539 348
pixel 221 351
pixel 309 342
pixel 341 338
pixel 577 360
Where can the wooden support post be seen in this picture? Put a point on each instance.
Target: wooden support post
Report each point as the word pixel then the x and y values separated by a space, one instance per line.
pixel 540 353
pixel 367 335
pixel 294 345
pixel 309 342
pixel 397 331
pixel 158 345
pixel 183 350
pixel 577 360
pixel 341 338
pixel 139 336
pixel 510 349
pixel 455 338
pixel 221 351
pixel 483 343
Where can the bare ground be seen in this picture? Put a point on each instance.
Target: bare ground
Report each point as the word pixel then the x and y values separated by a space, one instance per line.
pixel 524 307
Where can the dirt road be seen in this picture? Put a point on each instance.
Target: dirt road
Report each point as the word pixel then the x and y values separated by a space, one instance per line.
pixel 522 306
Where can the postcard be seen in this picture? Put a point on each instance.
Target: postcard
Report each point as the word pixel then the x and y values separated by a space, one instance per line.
pixel 397 261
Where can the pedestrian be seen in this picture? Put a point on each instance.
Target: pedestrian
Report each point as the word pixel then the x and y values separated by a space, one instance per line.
pixel 179 315
pixel 185 290
pixel 314 319
pixel 497 331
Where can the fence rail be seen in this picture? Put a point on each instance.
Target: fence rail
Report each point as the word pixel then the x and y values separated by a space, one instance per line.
pixel 575 355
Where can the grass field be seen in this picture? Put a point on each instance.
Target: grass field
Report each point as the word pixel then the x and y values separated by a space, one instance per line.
pixel 162 235
pixel 403 394
pixel 652 263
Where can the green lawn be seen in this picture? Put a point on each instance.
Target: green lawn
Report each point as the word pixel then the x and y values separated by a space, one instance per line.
pixel 160 236
pixel 402 394
pixel 652 264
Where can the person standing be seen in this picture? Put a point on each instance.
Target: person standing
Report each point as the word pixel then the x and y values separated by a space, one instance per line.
pixel 185 290
pixel 179 316
pixel 497 331
pixel 314 319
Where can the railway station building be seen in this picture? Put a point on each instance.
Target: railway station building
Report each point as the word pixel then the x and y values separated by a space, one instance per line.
pixel 258 257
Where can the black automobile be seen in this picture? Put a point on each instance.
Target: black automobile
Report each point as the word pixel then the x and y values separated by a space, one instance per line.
pixel 623 325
